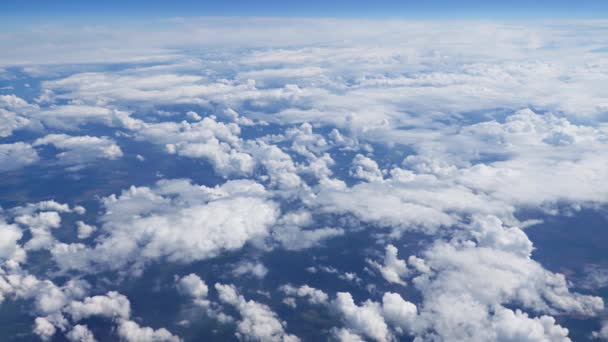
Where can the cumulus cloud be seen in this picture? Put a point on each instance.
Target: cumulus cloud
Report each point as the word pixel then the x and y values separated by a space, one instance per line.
pixel 208 139
pixel 84 230
pixel 366 319
pixel 10 122
pixel 110 305
pixel 258 322
pixel 393 269
pixel 44 329
pixel 336 117
pixel 314 296
pixel 132 332
pixel 79 151
pixel 365 168
pixel 193 286
pixel 10 249
pixel 176 221
pixel 16 155
pixel 80 333
pixel 256 269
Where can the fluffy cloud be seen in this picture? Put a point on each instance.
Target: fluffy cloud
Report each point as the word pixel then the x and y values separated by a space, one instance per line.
pixel 193 286
pixel 258 322
pixel 314 296
pixel 84 230
pixel 110 305
pixel 393 268
pixel 380 128
pixel 176 221
pixel 130 331
pixel 208 139
pixel 10 122
pixel 602 334
pixel 9 246
pixel 44 329
pixel 256 269
pixel 366 169
pixel 377 321
pixel 80 333
pixel 17 155
pixel 78 151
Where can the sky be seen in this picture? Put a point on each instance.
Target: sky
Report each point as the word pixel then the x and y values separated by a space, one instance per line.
pixel 314 8
pixel 303 171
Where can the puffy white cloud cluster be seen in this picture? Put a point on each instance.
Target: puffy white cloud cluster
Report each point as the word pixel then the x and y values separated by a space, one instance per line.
pixel 78 151
pixel 80 333
pixel 175 221
pixel 110 305
pixel 393 269
pixel 293 231
pixel 16 155
pixel 432 139
pixel 376 321
pixel 130 331
pixel 208 139
pixel 258 322
pixel 194 287
pixel 313 296
pixel 255 269
pixel 10 249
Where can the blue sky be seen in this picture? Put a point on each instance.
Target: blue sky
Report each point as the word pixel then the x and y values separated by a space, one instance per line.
pixel 338 8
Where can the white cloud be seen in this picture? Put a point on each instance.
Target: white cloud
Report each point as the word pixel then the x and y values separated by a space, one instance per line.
pixel 80 333
pixel 314 296
pixel 602 334
pixel 258 322
pixel 44 329
pixel 398 312
pixel 175 221
pixel 130 331
pixel 365 319
pixel 78 151
pixel 256 269
pixel 16 155
pixel 208 139
pixel 366 169
pixel 110 305
pixel 393 269
pixel 469 166
pixel 84 230
pixel 193 286
pixel 10 122
pixel 9 243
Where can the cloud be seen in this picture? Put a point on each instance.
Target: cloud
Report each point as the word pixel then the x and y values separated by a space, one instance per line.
pixel 79 151
pixel 365 319
pixel 361 122
pixel 44 329
pixel 110 305
pixel 132 332
pixel 314 296
pixel 80 333
pixel 16 155
pixel 366 169
pixel 393 269
pixel 84 230
pixel 256 269
pixel 193 286
pixel 175 221
pixel 602 334
pixel 10 122
pixel 207 139
pixel 258 322
pixel 10 249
